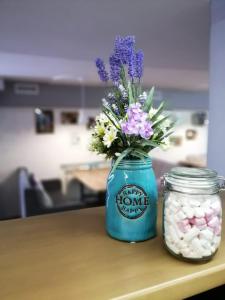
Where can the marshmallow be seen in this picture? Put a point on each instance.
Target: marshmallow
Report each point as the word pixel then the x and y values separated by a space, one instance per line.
pixel 216 207
pixel 179 233
pixel 173 248
pixel 205 243
pixel 183 226
pixel 193 232
pixel 206 202
pixel 209 214
pixel 181 215
pixel 200 221
pixel 195 203
pixel 192 224
pixel 217 230
pixel 206 234
pixel 216 241
pixel 196 245
pixel 206 252
pixel 185 251
pixel 214 222
pixel 194 255
pixel 201 227
pixel 199 212
pixel 189 212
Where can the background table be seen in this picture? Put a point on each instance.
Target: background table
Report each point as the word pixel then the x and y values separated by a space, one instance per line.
pixel 69 256
pixel 94 179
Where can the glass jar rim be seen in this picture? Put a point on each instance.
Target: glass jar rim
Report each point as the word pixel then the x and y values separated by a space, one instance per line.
pixel 199 178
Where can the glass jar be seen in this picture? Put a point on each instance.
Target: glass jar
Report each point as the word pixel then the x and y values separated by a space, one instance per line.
pixel 192 213
pixel 131 201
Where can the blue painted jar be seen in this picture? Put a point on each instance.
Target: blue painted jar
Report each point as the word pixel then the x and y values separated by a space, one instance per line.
pixel 131 202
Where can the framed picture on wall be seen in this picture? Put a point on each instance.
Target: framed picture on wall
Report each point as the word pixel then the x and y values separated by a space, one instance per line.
pixel 190 134
pixel 199 118
pixel 44 121
pixel 175 140
pixel 69 117
pixel 90 122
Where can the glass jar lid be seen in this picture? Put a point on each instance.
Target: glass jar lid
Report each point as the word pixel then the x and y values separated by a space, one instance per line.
pixel 196 178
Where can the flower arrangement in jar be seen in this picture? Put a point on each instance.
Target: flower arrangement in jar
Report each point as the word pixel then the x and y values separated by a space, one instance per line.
pixel 128 128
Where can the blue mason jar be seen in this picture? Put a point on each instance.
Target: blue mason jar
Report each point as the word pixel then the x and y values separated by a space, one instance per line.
pixel 131 201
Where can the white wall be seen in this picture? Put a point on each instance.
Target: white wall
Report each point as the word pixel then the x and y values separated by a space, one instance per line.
pixel 42 154
pixel 196 147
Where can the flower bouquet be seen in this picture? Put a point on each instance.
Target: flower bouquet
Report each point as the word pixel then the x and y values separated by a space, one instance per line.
pixel 128 128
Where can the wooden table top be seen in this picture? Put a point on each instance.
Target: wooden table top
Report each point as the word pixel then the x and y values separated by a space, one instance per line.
pixel 69 256
pixel 94 179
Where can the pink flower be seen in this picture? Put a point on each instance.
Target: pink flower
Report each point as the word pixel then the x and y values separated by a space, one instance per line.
pixel 137 123
pixel 146 130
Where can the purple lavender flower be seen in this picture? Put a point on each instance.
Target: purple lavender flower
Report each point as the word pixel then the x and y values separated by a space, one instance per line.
pixel 123 48
pixel 101 70
pixel 132 65
pixel 129 41
pixel 139 64
pixel 115 68
pixel 137 123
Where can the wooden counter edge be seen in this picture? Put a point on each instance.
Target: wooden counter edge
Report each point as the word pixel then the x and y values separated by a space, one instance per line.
pixel 183 287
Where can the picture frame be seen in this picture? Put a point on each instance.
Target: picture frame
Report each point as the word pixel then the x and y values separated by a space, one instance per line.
pixel 69 117
pixel 44 121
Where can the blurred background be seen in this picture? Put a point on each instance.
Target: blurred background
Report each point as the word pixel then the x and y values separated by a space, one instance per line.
pixel 50 93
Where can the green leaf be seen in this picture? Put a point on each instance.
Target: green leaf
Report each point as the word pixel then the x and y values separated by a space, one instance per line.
pixel 138 89
pixel 107 115
pixel 158 112
pixel 166 135
pixel 112 113
pixel 149 143
pixel 157 123
pixel 140 151
pixel 149 100
pixel 123 76
pixel 130 94
pixel 138 155
pixel 122 155
pixel 106 111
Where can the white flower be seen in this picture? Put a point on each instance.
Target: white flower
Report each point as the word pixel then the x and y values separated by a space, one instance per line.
pixel 94 143
pixel 110 136
pixel 100 129
pixel 102 118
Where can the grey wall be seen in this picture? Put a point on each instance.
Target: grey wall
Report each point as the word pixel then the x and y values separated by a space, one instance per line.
pixel 71 96
pixel 51 95
pixel 181 100
pixel 216 143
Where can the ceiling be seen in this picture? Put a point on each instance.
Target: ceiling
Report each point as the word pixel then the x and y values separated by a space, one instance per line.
pixel 57 41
